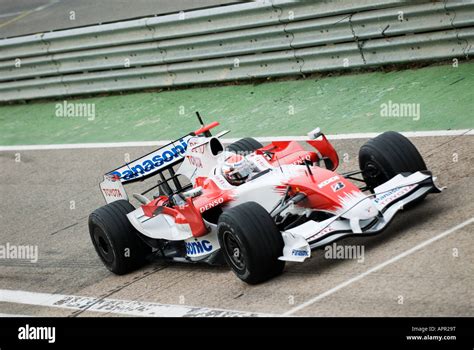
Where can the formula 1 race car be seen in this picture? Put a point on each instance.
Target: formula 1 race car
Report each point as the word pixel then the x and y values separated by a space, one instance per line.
pixel 252 206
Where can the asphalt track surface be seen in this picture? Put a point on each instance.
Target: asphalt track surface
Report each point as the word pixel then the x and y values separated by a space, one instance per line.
pixel 21 17
pixel 434 280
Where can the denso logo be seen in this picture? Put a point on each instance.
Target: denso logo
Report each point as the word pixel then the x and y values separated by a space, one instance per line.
pixel 198 247
pixel 211 204
pixel 153 161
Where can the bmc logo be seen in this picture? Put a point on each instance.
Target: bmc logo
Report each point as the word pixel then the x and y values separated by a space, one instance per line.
pixel 198 247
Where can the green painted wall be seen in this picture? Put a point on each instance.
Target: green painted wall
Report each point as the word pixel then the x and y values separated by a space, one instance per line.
pixel 338 104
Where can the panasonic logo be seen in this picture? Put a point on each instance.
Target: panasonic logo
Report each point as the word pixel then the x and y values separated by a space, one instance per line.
pixel 298 252
pixel 385 195
pixel 198 247
pixel 154 161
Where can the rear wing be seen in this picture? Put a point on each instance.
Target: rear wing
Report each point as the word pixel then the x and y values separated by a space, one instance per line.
pixel 153 162
pixel 156 162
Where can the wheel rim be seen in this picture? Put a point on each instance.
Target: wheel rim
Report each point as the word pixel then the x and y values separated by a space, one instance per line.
pixel 103 245
pixel 373 175
pixel 233 250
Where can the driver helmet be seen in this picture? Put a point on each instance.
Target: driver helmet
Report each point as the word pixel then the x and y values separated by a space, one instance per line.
pixel 236 169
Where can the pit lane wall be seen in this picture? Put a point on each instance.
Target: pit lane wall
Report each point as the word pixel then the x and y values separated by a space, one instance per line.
pixel 244 41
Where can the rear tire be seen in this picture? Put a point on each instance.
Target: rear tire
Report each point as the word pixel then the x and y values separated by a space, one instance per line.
pixel 251 243
pixel 244 146
pixel 386 156
pixel 115 239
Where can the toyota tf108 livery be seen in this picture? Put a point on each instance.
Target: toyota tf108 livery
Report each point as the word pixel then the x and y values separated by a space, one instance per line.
pixel 251 206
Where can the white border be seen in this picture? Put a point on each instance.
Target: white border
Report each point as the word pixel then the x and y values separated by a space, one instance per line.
pixel 117 306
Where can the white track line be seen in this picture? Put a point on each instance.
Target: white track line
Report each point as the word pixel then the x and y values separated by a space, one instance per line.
pixel 11 14
pixel 378 267
pixel 228 140
pixel 14 315
pixel 39 8
pixel 117 306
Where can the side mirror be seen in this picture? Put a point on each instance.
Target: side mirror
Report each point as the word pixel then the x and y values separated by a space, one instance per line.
pixel 142 199
pixel 193 193
pixel 314 134
pixel 328 163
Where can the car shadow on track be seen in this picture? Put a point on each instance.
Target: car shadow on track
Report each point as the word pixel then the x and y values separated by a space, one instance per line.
pixel 410 219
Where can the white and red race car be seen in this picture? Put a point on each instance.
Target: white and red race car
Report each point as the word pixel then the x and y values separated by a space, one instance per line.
pixel 285 202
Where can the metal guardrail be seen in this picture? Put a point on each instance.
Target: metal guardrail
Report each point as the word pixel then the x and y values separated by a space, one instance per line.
pixel 251 40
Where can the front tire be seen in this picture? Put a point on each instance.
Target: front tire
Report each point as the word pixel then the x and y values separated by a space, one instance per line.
pixel 386 156
pixel 115 239
pixel 251 243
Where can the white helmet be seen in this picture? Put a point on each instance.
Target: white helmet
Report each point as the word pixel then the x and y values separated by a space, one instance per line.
pixel 236 169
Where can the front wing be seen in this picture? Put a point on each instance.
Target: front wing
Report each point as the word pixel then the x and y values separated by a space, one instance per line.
pixel 388 198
